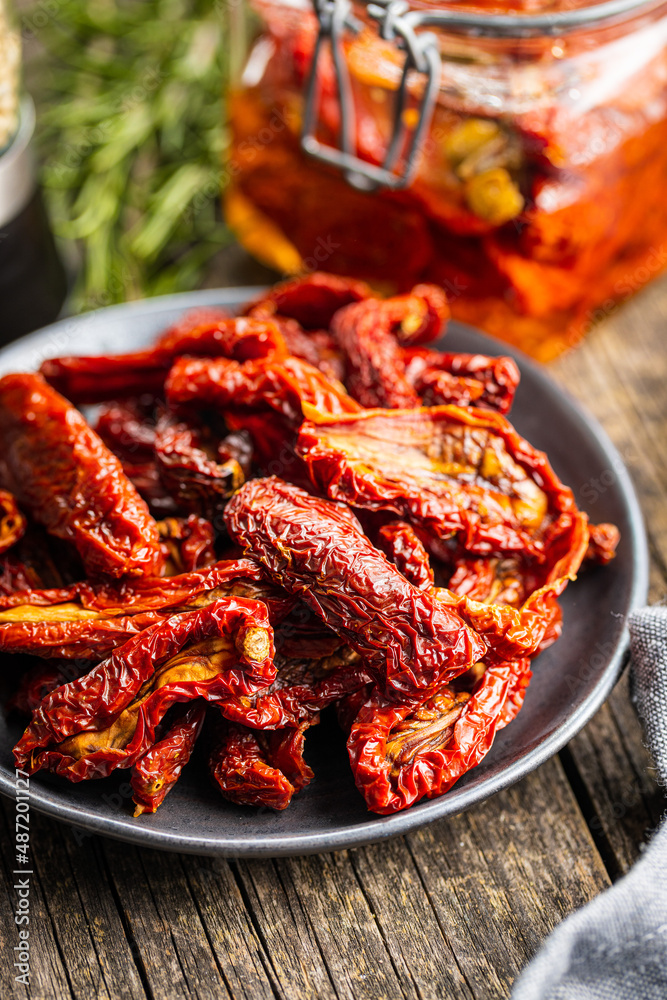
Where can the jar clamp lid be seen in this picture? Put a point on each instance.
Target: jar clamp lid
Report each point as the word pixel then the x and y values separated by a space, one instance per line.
pixel 398 22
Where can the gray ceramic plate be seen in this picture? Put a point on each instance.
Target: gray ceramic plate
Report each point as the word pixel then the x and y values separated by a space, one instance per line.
pixel 571 680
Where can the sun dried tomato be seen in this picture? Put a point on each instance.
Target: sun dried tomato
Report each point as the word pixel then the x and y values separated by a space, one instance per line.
pixel 375 371
pixel 441 378
pixel 603 542
pixel 91 620
pixel 69 481
pixel 400 754
pixel 496 579
pixel 401 544
pixel 156 772
pixel 96 379
pixel 108 718
pixel 12 521
pixel 259 769
pixel 460 475
pixel 281 387
pixel 316 549
pixel 312 300
pixel 149 594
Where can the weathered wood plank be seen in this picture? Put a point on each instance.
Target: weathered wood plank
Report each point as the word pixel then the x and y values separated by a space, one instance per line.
pixel 48 974
pixel 456 911
pixel 619 795
pixel 503 874
pixel 288 943
pixel 230 928
pixel 421 953
pixel 153 895
pixel 87 925
pixel 619 374
pixel 342 924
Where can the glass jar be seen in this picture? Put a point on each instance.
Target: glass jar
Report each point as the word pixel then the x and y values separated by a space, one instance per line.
pixel 10 72
pixel 536 198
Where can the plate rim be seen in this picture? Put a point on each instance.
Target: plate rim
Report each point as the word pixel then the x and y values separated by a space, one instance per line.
pixel 376 828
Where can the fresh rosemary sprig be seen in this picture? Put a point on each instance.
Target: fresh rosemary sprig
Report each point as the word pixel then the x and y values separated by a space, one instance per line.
pixel 131 137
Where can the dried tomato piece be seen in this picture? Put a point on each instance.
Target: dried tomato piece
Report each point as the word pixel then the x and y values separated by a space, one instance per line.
pixel 240 338
pixel 43 678
pixel 194 470
pixel 89 621
pixel 441 378
pixel 70 482
pixel 512 580
pixel 400 542
pixel 418 317
pixel 15 576
pixel 12 521
pixel 460 475
pixel 69 633
pixel 511 632
pixel 375 369
pixel 127 428
pixel 497 580
pixel 156 772
pixel 148 594
pixel 96 379
pixel 316 549
pixel 108 718
pixel 281 387
pixel 400 754
pixel 189 542
pixel 304 685
pixel 603 542
pixel 259 769
pixel 312 300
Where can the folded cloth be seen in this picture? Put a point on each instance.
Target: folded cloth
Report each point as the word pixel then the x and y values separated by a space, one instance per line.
pixel 615 948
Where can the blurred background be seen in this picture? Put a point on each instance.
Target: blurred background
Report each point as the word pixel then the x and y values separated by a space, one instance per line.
pixel 129 140
pixel 536 195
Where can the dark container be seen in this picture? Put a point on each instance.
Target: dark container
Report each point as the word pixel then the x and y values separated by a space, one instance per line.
pixel 32 279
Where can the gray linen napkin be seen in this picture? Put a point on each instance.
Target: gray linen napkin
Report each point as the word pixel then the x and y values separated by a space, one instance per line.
pixel 615 948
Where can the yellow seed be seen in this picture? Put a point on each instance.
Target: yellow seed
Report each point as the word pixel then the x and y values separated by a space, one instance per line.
pixel 468 137
pixel 493 196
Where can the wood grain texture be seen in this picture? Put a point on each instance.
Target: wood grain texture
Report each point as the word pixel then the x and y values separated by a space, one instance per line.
pixel 453 910
pixel 619 374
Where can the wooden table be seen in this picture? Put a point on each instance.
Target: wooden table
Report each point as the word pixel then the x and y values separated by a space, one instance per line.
pixel 452 911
